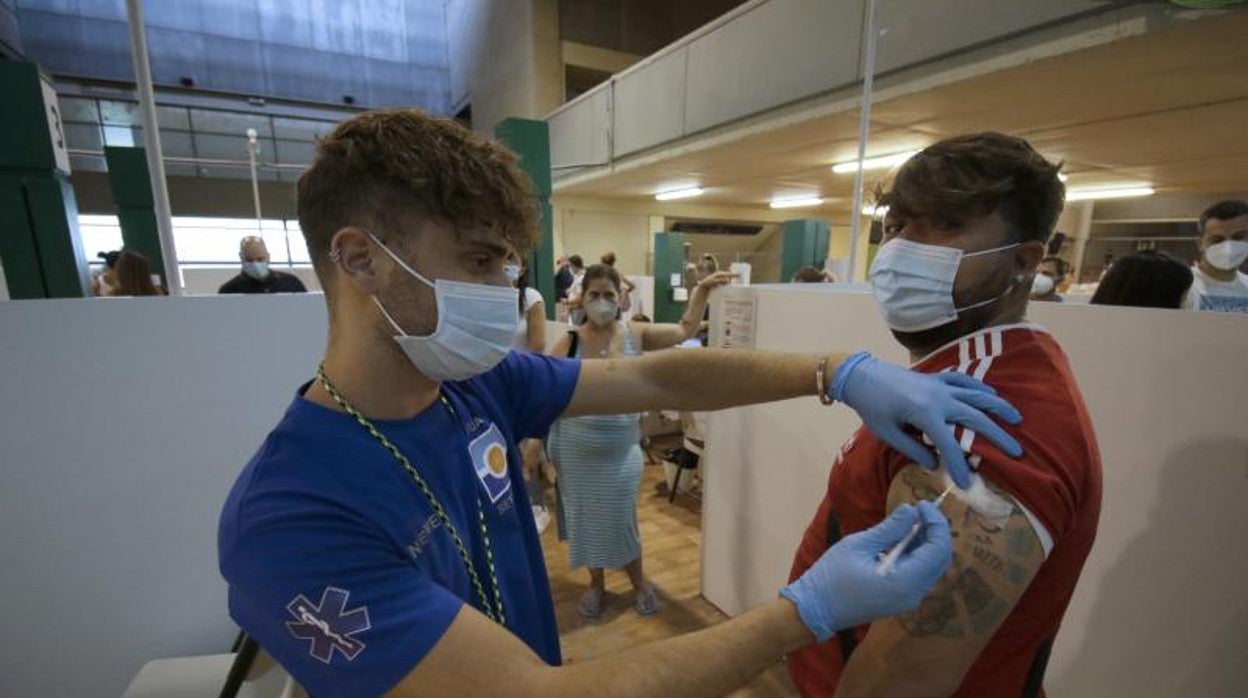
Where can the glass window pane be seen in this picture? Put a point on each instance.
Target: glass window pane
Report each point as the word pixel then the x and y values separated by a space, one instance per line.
pixel 99 234
pixel 215 240
pixel 298 247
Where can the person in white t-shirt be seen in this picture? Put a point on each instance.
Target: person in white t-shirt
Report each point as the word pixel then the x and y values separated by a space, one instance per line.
pixel 1219 285
pixel 531 332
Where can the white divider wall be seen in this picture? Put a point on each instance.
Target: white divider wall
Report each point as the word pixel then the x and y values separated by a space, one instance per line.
pixel 124 423
pixel 1160 608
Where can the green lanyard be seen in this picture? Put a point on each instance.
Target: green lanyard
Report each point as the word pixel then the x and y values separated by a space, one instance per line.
pixel 493 611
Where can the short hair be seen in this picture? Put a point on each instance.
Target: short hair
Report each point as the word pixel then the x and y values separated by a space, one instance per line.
pixel 609 259
pixel 576 261
pixel 1145 279
pixel 1223 211
pixel 708 264
pixel 1063 267
pixel 974 175
pixel 378 166
pixel 602 271
pixel 809 275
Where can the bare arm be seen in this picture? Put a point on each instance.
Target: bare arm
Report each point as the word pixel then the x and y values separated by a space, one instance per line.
pixel 665 335
pixel 928 652
pixel 711 662
pixel 536 316
pixel 561 346
pixel 708 379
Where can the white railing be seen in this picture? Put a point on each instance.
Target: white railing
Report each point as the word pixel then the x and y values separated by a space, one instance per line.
pixel 769 53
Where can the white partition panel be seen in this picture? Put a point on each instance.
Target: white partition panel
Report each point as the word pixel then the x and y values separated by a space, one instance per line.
pixel 912 32
pixel 776 53
pixel 579 132
pixel 124 423
pixel 1160 609
pixel 650 104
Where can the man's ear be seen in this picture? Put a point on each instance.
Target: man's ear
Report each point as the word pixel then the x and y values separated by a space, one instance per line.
pixel 351 251
pixel 1027 258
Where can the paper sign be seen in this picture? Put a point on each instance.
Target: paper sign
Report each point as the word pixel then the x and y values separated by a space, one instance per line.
pixel 737 318
pixel 742 270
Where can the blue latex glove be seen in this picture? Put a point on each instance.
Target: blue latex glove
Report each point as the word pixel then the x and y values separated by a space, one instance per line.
pixel 889 397
pixel 844 587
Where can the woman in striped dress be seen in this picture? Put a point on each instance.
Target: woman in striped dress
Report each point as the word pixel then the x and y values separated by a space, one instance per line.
pixel 598 458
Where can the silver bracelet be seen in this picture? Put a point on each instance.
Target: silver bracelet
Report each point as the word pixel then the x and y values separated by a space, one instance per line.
pixel 821 382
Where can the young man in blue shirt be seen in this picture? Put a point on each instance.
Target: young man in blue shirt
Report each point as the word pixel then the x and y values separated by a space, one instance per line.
pixel 380 542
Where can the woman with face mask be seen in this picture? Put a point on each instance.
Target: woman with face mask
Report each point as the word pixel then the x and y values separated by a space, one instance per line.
pixel 599 458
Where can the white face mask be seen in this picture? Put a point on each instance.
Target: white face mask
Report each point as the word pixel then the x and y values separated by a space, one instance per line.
pixel 256 270
pixel 476 326
pixel 513 272
pixel 1227 255
pixel 913 284
pixel 602 311
pixel 1042 285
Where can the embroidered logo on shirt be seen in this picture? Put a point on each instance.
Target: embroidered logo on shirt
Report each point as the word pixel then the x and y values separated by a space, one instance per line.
pixel 489 459
pixel 328 625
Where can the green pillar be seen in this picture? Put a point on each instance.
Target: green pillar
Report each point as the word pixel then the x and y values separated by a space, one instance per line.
pixel 669 259
pixel 39 241
pixel 805 244
pixel 530 140
pixel 131 183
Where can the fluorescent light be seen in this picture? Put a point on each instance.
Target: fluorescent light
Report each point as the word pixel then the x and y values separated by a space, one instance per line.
pixel 796 202
pixel 874 211
pixel 679 194
pixel 880 163
pixel 1115 193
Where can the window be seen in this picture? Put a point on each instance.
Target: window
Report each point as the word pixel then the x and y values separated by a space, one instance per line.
pixel 99 234
pixel 205 242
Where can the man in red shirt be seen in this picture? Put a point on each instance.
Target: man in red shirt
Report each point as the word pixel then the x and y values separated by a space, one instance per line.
pixel 964 233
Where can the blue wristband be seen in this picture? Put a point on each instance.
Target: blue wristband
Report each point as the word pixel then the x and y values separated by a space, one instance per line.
pixel 844 371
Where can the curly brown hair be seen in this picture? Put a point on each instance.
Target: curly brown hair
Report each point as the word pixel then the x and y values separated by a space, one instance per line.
pixel 377 169
pixel 974 175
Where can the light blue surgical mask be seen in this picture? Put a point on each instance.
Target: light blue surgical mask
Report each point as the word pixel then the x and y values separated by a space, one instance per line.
pixel 512 271
pixel 256 270
pixel 913 283
pixel 476 326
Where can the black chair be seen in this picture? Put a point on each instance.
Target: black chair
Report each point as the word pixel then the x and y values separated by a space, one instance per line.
pixel 684 459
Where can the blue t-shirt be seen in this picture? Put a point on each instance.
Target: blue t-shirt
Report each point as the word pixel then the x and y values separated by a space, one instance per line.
pixel 335 561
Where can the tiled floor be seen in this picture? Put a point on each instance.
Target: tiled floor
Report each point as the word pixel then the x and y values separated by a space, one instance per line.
pixel 671 538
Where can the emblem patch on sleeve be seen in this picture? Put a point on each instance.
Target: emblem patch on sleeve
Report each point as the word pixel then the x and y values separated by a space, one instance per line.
pixel 328 625
pixel 489 459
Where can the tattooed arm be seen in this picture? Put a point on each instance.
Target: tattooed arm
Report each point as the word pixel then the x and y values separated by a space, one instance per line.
pixel 928 652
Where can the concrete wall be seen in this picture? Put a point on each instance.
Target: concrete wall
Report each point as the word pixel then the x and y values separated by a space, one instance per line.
pixel 1160 609
pixel 194 196
pixel 123 425
pixel 504 58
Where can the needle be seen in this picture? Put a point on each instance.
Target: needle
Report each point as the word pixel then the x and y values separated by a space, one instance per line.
pixel 889 559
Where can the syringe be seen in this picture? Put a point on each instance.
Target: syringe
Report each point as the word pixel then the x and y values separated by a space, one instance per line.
pixel 889 559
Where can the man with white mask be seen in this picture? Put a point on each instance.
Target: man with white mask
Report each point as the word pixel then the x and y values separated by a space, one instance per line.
pixel 1218 284
pixel 965 231
pixel 381 540
pixel 256 276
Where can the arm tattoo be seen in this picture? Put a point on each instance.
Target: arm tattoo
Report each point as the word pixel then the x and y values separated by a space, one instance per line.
pixel 990 563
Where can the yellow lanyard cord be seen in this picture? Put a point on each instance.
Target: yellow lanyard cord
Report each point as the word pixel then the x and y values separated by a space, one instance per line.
pixel 493 611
